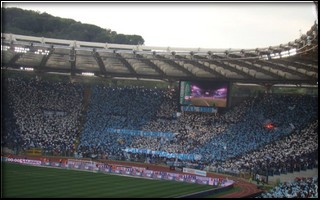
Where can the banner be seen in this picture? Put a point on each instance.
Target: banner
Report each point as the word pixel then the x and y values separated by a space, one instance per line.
pixel 180 156
pixel 199 109
pixel 24 161
pixel 195 171
pixel 140 133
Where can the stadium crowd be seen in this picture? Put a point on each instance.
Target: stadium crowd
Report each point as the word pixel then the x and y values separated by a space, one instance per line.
pixel 295 152
pixel 47 115
pixel 299 188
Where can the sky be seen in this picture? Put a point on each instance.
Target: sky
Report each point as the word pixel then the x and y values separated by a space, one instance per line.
pixel 191 24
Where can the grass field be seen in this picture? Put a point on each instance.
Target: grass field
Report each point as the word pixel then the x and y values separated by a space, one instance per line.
pixel 208 102
pixel 28 181
pixel 220 194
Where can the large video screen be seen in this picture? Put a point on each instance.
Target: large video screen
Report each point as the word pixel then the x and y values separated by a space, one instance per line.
pixel 204 93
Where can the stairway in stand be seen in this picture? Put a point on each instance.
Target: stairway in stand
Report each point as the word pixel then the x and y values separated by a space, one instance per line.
pixel 85 104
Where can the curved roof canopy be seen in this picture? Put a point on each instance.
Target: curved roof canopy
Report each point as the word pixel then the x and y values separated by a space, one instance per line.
pixel 295 62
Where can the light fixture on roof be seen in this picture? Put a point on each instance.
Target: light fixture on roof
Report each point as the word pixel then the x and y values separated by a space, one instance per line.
pixel 28 69
pixel 21 49
pixel 87 73
pixel 42 52
pixel 5 48
pixel 292 52
pixel 284 54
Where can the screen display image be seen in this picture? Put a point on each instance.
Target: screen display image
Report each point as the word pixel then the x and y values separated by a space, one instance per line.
pixel 204 93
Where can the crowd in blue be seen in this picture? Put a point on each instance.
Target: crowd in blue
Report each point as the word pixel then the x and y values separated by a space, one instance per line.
pixel 47 115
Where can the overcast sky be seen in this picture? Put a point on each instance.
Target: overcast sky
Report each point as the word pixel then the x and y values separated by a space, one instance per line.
pixel 204 25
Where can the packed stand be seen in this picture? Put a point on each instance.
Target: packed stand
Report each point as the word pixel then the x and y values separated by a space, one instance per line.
pixel 286 113
pixel 299 188
pixel 298 151
pixel 117 108
pixel 45 114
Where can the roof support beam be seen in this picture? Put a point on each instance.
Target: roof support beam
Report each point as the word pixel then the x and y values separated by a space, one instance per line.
pixel 72 60
pixel 127 64
pixel 299 65
pixel 15 58
pixel 286 69
pixel 44 60
pixel 177 66
pixel 100 63
pixel 152 65
pixel 203 67
pixel 274 65
pixel 228 67
pixel 252 67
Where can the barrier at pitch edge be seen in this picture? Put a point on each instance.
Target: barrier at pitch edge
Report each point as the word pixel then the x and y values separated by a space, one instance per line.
pixel 143 172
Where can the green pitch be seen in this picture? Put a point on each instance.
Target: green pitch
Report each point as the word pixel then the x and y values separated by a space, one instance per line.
pixel 29 181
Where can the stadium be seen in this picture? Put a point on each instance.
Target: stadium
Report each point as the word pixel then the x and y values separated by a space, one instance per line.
pixel 90 119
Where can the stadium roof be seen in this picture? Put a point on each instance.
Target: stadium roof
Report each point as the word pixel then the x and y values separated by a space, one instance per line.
pixel 293 63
